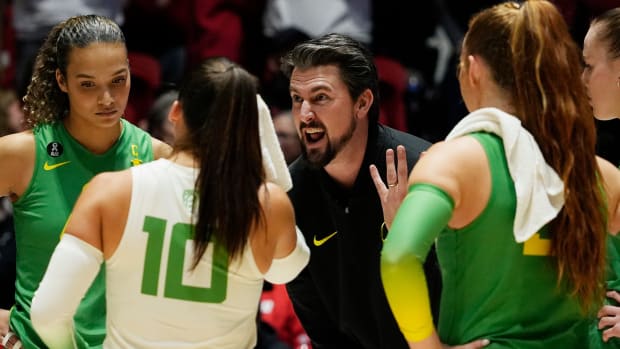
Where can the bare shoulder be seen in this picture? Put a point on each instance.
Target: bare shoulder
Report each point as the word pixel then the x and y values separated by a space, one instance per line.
pixel 160 149
pixel 100 212
pixel 447 160
pixel 106 186
pixel 608 170
pixel 274 200
pixel 611 177
pixel 17 154
pixel 17 144
pixel 278 210
pixel 109 193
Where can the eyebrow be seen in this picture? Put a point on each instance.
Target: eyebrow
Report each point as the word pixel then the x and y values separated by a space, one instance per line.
pixel 123 70
pixel 313 89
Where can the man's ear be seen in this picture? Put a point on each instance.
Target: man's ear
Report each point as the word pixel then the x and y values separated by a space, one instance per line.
pixel 364 102
pixel 60 79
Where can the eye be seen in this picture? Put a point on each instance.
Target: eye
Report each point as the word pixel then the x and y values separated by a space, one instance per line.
pixel 120 80
pixel 296 99
pixel 87 84
pixel 320 97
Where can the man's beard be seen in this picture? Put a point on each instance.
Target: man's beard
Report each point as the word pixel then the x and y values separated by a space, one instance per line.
pixel 319 158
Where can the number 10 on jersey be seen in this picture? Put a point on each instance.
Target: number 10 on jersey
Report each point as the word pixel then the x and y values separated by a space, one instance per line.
pixel 173 286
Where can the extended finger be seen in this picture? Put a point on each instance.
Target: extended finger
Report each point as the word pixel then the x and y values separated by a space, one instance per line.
pixel 613 295
pixel 376 178
pixel 608 310
pixel 403 172
pixel 390 166
pixel 610 333
pixel 607 321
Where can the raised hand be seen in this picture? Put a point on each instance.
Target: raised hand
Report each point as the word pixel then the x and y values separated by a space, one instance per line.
pixel 393 192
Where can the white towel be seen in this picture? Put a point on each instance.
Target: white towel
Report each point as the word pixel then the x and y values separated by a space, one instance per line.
pixel 539 189
pixel 276 170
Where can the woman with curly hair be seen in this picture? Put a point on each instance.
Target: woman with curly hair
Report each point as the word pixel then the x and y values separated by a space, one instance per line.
pixel 74 113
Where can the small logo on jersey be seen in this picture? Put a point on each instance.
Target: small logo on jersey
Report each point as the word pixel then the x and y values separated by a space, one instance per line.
pixel 320 242
pixel 134 152
pixel 188 198
pixel 48 167
pixel 54 149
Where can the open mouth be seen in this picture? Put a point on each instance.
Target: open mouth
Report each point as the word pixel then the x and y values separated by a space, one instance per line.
pixel 313 134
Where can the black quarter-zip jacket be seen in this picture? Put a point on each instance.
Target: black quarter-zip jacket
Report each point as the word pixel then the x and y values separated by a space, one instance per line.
pixel 339 296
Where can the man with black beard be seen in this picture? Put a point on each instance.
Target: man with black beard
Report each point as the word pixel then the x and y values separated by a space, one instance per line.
pixel 344 216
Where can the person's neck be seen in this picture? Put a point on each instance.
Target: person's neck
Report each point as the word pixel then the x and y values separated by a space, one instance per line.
pixel 496 98
pixel 346 165
pixel 96 140
pixel 183 158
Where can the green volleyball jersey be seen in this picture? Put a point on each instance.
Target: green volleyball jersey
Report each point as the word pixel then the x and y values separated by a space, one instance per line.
pixel 613 283
pixel 613 263
pixel 62 167
pixel 496 288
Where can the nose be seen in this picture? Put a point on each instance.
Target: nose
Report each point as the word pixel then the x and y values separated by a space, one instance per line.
pixel 306 112
pixel 106 99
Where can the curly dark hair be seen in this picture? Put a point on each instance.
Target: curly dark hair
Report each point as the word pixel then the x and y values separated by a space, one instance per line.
pixel 44 102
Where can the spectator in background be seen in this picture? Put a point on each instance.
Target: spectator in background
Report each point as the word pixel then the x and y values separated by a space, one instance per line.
pixel 158 124
pixel 278 317
pixel 159 29
pixel 145 82
pixel 288 137
pixel 273 81
pixel 11 113
pixel 11 121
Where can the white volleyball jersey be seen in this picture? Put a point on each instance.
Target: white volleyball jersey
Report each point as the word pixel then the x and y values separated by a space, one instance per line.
pixel 153 299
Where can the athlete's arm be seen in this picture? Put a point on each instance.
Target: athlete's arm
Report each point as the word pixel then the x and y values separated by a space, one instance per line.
pixel 17 158
pixel 279 247
pixel 100 209
pixel 72 268
pixel 425 211
pixel 436 199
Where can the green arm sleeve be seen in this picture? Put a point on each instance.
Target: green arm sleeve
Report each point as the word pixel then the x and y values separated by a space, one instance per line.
pixel 423 214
